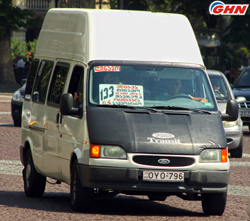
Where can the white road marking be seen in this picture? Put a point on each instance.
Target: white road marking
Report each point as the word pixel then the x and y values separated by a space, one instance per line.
pixel 6 96
pixel 5 112
pixel 14 167
pixel 246 155
pixel 240 164
pixel 11 167
pixel 239 190
pixel 3 101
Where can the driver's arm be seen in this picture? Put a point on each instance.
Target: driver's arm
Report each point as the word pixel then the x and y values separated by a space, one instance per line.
pixel 200 99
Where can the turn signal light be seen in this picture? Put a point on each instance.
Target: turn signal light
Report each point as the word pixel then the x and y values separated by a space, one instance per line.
pixel 95 151
pixel 224 155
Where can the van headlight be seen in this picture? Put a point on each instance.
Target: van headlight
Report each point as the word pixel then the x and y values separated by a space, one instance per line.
pixel 230 123
pixel 107 151
pixel 214 155
pixel 210 155
pixel 17 96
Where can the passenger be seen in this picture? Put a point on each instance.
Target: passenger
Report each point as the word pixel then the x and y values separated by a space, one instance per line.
pixel 174 87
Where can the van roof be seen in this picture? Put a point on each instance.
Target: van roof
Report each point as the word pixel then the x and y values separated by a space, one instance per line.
pixel 92 34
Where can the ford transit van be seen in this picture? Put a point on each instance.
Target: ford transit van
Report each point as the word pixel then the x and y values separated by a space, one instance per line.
pixel 120 102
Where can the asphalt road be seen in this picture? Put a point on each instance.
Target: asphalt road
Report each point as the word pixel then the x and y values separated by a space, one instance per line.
pixel 54 205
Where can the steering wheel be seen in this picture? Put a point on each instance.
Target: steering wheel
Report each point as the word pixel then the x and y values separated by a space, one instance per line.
pixel 217 94
pixel 181 96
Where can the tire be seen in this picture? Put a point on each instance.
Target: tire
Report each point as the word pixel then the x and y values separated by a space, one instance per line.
pixel 214 203
pixel 157 197
pixel 17 123
pixel 237 152
pixel 34 183
pixel 81 198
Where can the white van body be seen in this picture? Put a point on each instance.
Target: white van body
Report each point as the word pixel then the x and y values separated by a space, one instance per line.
pixel 60 139
pixel 88 35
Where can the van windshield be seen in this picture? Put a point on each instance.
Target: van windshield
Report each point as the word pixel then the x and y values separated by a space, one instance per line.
pixel 150 86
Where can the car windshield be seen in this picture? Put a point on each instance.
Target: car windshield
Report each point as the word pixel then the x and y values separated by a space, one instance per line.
pixel 150 86
pixel 244 80
pixel 220 89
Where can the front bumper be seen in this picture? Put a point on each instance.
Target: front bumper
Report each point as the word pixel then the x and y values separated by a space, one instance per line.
pixel 245 115
pixel 129 179
pixel 234 136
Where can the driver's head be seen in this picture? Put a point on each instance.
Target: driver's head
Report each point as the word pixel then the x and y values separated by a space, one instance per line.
pixel 216 85
pixel 174 85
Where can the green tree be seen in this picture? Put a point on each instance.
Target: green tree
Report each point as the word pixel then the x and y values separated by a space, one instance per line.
pixel 26 49
pixel 11 18
pixel 238 33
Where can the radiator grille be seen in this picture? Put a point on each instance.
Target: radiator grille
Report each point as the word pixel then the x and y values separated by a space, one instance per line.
pixel 153 161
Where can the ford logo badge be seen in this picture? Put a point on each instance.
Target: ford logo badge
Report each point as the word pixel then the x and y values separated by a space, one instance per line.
pixel 164 161
pixel 163 135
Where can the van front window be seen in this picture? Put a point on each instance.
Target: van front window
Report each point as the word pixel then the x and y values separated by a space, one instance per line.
pixel 150 86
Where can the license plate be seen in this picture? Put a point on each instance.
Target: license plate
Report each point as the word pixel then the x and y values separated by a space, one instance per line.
pixel 245 113
pixel 163 176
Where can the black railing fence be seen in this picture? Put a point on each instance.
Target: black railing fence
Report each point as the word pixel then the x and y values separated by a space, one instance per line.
pixel 43 5
pixel 36 5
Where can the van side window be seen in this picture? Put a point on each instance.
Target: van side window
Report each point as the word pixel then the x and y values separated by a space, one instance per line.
pixel 42 81
pixel 58 81
pixel 76 85
pixel 31 78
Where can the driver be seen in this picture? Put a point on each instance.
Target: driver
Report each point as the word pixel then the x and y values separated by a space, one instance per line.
pixel 216 87
pixel 174 86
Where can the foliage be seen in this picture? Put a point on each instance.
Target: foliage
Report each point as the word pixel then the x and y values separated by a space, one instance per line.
pixel 12 18
pixel 113 4
pixel 239 30
pixel 243 51
pixel 26 49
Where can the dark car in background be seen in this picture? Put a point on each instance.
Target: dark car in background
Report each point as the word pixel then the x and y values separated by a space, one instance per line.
pixel 241 88
pixel 233 129
pixel 16 105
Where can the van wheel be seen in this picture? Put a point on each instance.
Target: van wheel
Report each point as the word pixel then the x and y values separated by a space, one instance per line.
pixel 154 197
pixel 34 183
pixel 81 198
pixel 17 123
pixel 214 203
pixel 237 152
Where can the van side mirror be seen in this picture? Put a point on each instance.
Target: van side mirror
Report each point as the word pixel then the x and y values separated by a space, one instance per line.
pixel 232 111
pixel 66 105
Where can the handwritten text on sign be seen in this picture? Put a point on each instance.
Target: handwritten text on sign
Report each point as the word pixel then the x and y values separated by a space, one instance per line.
pixel 121 94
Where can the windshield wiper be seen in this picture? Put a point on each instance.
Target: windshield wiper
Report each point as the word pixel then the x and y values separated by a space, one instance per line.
pixel 221 98
pixel 181 108
pixel 152 108
pixel 114 106
pixel 126 106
